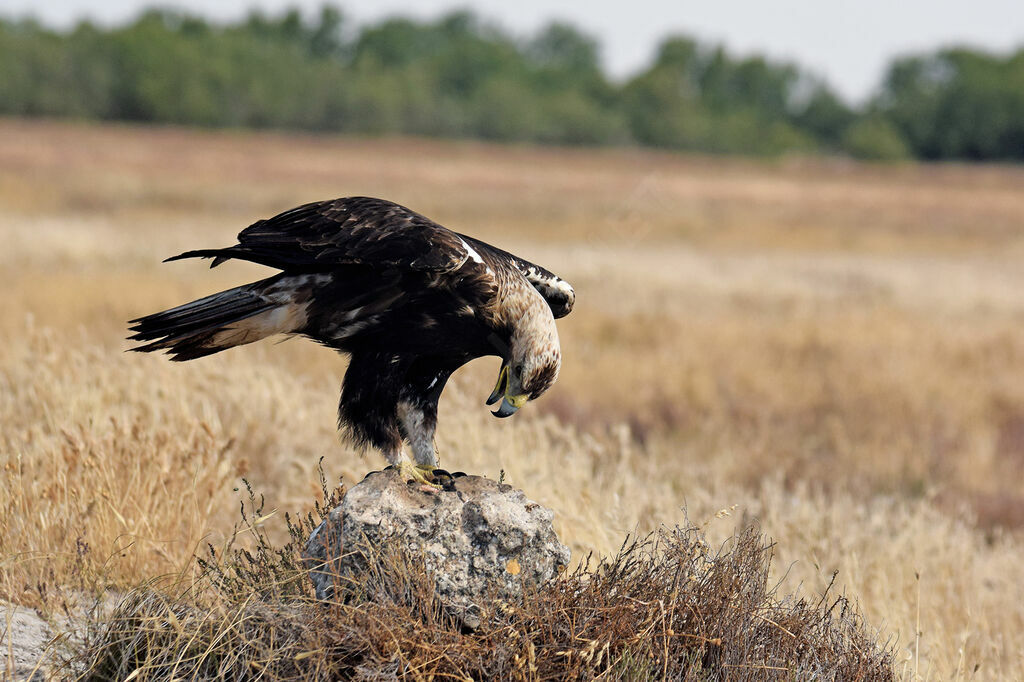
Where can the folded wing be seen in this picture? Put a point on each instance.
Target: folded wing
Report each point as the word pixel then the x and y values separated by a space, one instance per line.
pixel 350 231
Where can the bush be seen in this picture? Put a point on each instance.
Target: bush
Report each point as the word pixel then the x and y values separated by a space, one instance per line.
pixel 666 607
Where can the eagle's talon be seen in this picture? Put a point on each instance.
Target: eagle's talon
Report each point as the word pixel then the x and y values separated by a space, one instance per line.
pixel 447 479
pixel 422 474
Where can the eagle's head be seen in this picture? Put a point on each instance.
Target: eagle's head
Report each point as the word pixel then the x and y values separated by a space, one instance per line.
pixel 530 363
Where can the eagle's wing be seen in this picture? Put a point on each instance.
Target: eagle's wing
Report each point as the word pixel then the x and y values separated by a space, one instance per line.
pixel 556 291
pixel 349 231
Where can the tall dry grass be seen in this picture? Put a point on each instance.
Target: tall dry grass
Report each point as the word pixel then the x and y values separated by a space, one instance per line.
pixel 833 349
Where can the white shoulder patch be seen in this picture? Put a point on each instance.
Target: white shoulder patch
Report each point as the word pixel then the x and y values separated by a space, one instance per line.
pixel 471 251
pixel 474 256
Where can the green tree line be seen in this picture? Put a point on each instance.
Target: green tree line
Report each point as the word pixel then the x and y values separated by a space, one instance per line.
pixel 460 76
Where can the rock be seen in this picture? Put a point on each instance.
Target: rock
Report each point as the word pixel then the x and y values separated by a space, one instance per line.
pixel 478 539
pixel 24 637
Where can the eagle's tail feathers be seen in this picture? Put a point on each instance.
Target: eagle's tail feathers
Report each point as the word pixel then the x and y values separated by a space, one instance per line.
pixel 217 322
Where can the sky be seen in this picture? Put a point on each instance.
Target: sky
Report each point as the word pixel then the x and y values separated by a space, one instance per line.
pixel 848 42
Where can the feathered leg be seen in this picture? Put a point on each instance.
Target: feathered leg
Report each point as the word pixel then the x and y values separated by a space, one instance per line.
pixel 376 411
pixel 418 423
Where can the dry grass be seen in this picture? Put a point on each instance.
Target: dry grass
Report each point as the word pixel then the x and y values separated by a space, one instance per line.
pixel 832 349
pixel 664 607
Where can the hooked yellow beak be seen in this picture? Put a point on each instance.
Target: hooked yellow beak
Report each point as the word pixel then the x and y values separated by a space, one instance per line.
pixel 500 386
pixel 510 403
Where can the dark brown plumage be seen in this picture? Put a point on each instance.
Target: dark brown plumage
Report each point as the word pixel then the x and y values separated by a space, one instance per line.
pixel 409 300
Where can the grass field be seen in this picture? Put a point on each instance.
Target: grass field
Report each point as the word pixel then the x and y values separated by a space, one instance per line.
pixel 833 349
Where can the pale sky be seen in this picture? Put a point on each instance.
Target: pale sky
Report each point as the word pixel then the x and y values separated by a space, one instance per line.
pixel 848 42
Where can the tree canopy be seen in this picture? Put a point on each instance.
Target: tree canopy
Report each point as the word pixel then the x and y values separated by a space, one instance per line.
pixel 461 76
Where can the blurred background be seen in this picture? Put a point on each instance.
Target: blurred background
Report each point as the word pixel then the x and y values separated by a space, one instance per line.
pixel 920 80
pixel 795 230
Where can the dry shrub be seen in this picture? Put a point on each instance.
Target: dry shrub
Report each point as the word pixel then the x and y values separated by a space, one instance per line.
pixel 666 606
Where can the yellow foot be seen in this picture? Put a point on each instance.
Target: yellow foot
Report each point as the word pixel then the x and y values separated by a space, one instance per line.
pixel 421 473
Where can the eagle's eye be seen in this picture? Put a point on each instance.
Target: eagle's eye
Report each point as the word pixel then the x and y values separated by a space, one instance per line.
pixel 517 371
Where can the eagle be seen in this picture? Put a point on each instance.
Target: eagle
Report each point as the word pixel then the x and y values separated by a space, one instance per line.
pixel 408 300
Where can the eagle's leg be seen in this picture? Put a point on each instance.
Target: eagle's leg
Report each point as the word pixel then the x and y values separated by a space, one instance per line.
pixel 417 422
pixel 371 409
pixel 416 426
pixel 417 409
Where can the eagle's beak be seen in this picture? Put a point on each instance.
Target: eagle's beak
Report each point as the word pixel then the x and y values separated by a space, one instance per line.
pixel 510 404
pixel 499 388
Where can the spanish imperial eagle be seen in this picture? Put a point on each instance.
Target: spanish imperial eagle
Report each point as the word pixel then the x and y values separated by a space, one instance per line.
pixel 409 300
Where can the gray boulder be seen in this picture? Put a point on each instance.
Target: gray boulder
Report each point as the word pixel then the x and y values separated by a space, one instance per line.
pixel 478 539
